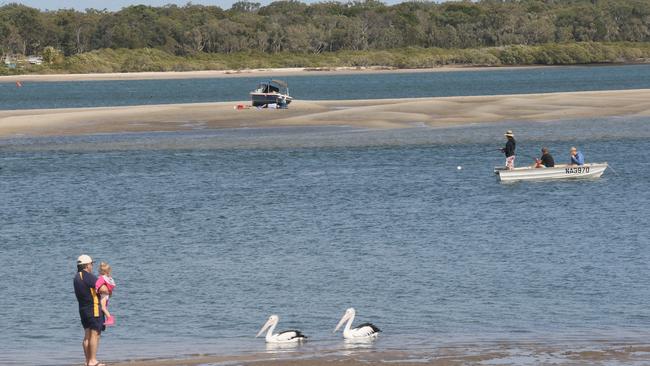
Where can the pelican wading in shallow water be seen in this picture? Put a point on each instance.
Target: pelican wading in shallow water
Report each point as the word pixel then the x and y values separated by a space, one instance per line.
pixel 362 332
pixel 287 336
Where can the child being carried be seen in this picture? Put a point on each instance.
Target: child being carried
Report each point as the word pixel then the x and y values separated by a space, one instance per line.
pixel 105 279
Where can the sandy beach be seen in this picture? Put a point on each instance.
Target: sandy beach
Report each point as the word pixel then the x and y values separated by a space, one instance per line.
pixel 383 113
pixel 270 72
pixel 505 353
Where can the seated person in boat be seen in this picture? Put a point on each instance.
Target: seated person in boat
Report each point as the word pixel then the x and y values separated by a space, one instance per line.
pixel 546 160
pixel 576 157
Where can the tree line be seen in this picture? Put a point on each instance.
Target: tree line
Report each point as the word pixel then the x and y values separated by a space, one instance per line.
pixel 293 26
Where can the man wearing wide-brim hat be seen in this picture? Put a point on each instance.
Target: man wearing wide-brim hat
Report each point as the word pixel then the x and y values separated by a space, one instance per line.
pixel 509 149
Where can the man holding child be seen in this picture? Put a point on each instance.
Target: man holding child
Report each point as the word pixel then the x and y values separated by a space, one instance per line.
pixel 90 311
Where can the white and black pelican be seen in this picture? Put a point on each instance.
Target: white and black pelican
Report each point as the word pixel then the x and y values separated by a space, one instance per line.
pixel 287 336
pixel 362 332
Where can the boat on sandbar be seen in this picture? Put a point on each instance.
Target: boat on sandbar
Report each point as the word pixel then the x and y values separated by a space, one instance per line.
pixel 271 92
pixel 560 171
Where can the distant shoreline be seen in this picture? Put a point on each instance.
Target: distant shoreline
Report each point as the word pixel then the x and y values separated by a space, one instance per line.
pixel 269 72
pixel 371 113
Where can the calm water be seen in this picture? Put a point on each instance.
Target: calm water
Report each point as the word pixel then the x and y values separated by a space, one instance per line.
pixel 360 86
pixel 210 232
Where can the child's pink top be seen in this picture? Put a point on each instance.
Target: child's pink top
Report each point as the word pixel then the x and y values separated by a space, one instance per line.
pixel 105 280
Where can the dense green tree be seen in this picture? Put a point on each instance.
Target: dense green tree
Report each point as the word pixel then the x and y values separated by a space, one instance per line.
pixel 290 25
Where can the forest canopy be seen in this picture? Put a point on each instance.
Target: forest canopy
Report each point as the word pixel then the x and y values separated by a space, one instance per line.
pixel 357 27
pixel 293 26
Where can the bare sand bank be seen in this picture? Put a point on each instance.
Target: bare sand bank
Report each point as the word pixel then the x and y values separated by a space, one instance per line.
pixel 521 354
pixel 378 113
pixel 270 72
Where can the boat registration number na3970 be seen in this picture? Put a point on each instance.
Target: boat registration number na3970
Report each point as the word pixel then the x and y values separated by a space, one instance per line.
pixel 577 170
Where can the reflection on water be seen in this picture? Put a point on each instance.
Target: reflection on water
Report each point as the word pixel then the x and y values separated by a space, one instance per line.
pixel 283 347
pixel 209 232
pixel 359 343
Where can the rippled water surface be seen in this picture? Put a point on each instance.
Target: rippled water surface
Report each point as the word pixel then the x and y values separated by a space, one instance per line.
pixel 313 86
pixel 210 232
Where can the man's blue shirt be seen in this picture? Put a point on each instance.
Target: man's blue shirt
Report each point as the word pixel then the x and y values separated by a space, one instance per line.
pixel 578 159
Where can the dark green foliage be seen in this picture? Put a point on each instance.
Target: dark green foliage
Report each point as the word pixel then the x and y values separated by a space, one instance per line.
pixel 355 33
pixel 148 59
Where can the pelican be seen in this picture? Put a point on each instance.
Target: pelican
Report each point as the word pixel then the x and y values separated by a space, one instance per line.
pixel 362 332
pixel 287 336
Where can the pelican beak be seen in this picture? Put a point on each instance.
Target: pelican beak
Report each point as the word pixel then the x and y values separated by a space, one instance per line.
pixel 345 317
pixel 265 327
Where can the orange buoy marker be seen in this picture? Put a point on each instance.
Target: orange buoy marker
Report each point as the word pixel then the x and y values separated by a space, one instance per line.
pixel 19 84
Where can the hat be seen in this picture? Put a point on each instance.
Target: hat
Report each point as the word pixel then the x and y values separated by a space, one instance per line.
pixel 84 259
pixel 509 134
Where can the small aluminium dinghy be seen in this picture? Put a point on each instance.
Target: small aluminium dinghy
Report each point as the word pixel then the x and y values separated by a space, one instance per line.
pixel 561 171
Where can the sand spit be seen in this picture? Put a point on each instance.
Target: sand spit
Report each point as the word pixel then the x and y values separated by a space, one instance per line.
pixel 270 72
pixel 377 113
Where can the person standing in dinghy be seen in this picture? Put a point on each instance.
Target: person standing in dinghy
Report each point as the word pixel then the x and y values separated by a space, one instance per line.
pixel 509 150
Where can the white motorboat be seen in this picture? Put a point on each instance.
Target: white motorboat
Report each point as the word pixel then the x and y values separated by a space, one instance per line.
pixel 560 171
pixel 271 92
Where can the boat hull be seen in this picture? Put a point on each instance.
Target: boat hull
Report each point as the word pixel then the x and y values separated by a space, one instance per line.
pixel 587 171
pixel 262 99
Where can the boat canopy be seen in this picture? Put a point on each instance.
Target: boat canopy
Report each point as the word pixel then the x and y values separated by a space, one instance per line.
pixel 281 83
pixel 272 86
pixel 267 88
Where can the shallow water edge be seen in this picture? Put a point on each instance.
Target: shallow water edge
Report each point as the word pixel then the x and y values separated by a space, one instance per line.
pixel 569 352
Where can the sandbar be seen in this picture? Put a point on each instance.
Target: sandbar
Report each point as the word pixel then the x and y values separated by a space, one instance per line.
pixel 374 113
pixel 264 73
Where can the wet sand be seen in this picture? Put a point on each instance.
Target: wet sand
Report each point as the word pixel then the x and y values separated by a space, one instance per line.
pixel 506 353
pixel 270 72
pixel 378 113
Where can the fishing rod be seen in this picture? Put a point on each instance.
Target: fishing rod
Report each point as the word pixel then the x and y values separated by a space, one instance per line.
pixel 612 168
pixel 485 152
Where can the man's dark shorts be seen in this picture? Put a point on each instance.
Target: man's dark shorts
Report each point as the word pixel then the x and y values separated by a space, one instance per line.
pixel 89 321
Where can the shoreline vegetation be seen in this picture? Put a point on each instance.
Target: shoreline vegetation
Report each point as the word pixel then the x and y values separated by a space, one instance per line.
pixel 153 60
pixel 323 35
pixel 148 60
pixel 375 114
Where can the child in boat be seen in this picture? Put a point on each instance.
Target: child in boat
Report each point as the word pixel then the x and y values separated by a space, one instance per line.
pixel 105 279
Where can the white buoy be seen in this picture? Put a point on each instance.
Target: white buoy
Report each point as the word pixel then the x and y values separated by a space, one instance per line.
pixel 459 167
